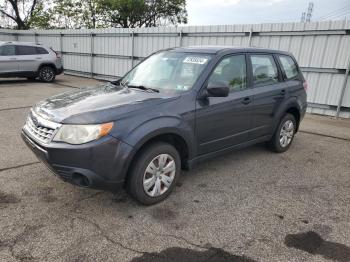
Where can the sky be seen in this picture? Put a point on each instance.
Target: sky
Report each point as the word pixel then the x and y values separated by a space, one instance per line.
pixel 221 12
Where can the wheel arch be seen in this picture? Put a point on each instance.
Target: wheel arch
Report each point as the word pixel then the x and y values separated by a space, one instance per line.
pixel 47 64
pixel 292 107
pixel 169 136
pixel 296 113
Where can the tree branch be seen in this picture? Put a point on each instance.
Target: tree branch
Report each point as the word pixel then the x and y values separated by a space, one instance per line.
pixel 30 13
pixel 8 15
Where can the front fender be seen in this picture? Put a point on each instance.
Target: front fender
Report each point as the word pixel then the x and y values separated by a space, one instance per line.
pixel 160 126
pixel 152 128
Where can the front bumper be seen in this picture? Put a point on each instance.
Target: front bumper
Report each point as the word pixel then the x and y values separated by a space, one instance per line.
pixel 101 164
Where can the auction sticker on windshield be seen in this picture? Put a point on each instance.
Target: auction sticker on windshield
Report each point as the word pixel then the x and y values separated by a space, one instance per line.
pixel 195 60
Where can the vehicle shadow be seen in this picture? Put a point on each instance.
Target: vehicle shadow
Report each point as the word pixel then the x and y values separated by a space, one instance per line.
pixel 6 81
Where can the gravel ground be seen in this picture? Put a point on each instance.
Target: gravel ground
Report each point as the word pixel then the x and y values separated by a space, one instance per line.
pixel 252 205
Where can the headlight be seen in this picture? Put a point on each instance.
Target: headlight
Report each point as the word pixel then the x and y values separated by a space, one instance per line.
pixel 80 134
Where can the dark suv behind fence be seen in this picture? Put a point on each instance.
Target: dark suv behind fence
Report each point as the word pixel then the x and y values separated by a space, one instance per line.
pixel 176 108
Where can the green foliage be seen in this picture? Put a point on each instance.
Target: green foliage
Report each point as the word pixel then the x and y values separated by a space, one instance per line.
pixel 77 14
pixel 24 14
pixel 27 14
pixel 147 13
pixel 40 18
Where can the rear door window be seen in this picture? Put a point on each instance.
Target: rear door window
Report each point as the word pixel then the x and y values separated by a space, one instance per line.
pixel 26 50
pixel 7 50
pixel 264 70
pixel 289 67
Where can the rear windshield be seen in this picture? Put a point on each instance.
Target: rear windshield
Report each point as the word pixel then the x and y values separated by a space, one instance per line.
pixel 168 70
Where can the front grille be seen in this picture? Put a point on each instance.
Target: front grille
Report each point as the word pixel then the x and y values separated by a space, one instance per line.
pixel 40 129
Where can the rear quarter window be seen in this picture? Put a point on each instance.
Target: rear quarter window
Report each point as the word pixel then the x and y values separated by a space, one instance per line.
pixel 288 66
pixel 41 51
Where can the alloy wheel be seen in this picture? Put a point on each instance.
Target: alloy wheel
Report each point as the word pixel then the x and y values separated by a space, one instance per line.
pixel 47 74
pixel 159 175
pixel 287 133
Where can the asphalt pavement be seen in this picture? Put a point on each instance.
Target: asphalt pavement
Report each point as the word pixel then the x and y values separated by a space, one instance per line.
pixel 251 205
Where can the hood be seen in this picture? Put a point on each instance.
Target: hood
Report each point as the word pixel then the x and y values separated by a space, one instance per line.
pixel 97 104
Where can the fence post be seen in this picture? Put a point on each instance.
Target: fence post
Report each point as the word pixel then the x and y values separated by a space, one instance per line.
pixel 250 37
pixel 35 37
pixel 92 55
pixel 132 48
pixel 61 43
pixel 345 81
pixel 180 35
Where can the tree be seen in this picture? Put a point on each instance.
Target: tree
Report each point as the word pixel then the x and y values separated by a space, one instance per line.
pixel 143 13
pixel 24 13
pixel 64 14
pixel 77 14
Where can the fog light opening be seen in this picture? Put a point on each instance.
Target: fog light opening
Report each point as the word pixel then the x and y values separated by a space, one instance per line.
pixel 80 180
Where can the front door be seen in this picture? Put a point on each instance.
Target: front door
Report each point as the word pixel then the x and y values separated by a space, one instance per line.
pixel 8 59
pixel 222 122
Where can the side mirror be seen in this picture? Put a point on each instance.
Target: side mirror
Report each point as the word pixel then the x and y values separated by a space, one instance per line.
pixel 218 89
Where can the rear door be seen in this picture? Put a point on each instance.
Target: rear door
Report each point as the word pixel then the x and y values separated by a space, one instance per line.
pixel 29 58
pixel 292 76
pixel 8 59
pixel 222 122
pixel 269 92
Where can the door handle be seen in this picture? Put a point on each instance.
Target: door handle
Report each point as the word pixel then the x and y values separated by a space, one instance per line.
pixel 283 92
pixel 38 58
pixel 246 101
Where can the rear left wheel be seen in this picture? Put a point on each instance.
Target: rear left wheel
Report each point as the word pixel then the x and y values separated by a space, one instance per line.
pixel 284 134
pixel 154 173
pixel 47 74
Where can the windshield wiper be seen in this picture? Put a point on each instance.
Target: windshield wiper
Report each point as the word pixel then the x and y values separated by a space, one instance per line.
pixel 144 88
pixel 115 83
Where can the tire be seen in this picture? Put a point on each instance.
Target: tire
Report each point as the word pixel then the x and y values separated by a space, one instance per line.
pixel 47 74
pixel 284 134
pixel 136 186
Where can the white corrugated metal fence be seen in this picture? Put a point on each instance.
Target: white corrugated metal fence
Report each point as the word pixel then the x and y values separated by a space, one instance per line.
pixel 321 48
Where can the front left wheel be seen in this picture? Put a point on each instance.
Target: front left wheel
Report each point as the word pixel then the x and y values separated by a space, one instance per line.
pixel 47 74
pixel 154 173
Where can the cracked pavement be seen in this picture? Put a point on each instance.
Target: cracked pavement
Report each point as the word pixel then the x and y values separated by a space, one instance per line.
pixel 252 205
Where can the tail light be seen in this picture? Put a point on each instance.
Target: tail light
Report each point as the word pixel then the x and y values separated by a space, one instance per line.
pixel 305 85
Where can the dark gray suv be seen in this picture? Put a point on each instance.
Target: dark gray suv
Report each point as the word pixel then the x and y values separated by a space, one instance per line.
pixel 176 108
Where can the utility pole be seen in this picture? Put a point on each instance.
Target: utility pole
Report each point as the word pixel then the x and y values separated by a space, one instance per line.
pixel 306 16
pixel 309 12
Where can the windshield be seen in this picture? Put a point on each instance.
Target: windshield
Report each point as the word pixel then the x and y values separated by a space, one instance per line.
pixel 168 70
